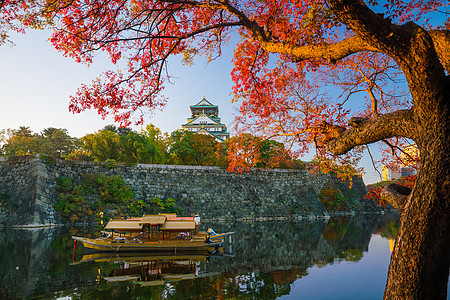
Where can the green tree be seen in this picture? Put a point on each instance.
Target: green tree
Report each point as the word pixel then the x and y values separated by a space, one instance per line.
pixel 22 141
pixel 55 142
pixel 161 142
pixel 103 144
pixel 188 148
pixel 23 131
pixel 117 129
pixel 181 150
pixel 136 148
pixel 124 145
pixel 205 147
pixel 273 154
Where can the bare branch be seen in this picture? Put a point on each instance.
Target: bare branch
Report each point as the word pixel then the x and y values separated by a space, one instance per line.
pixel 393 147
pixel 373 162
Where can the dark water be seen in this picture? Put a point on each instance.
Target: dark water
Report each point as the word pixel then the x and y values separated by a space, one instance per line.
pixel 345 258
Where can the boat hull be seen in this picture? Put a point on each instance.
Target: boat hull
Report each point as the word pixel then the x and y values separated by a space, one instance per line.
pixel 177 246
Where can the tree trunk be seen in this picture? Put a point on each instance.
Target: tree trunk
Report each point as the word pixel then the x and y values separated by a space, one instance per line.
pixel 420 262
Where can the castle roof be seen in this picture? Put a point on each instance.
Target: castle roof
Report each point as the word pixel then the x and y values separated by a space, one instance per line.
pixel 203 103
pixel 202 117
pixel 216 135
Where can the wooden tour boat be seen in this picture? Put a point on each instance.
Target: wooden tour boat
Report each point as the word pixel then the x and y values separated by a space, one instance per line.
pixel 163 232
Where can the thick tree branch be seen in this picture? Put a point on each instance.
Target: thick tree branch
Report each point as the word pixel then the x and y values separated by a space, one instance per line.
pixel 329 52
pixel 368 131
pixel 396 195
pixel 372 28
pixel 441 41
pixel 412 48
pixel 375 33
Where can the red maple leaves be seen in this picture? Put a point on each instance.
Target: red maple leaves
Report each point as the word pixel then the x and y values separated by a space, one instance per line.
pixel 281 98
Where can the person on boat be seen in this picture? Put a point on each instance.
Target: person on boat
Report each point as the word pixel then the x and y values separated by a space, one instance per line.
pixel 197 222
pixel 106 235
pixel 211 231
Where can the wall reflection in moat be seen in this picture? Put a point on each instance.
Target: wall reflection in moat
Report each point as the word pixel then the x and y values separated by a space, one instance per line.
pixel 267 258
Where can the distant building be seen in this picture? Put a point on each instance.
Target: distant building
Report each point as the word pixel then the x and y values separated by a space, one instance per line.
pixel 205 120
pixel 409 157
pixel 389 174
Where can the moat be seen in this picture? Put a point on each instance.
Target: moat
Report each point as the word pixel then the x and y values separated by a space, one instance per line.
pixel 339 258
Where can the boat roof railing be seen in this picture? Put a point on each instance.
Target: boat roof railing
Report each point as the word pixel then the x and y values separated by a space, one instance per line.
pixel 171 215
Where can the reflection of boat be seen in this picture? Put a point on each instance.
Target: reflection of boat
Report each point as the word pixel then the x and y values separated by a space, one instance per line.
pixel 152 273
pixel 164 232
pixel 145 256
pixel 148 269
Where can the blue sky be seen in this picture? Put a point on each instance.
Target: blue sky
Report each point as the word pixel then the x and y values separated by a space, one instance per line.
pixel 36 82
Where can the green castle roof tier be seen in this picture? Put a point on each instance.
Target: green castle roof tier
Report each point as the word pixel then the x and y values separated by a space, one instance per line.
pixel 205 119
pixel 204 103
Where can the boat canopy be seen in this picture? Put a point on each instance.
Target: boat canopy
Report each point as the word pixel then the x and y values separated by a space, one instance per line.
pixel 165 222
pixel 124 225
pixel 153 219
pixel 178 225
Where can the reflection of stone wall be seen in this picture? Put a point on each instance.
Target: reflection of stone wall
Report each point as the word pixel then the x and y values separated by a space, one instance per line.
pixel 358 233
pixel 216 193
pixel 269 246
pixel 25 257
pixel 36 262
pixel 273 246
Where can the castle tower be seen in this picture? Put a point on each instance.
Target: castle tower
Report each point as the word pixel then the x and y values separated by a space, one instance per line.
pixel 205 120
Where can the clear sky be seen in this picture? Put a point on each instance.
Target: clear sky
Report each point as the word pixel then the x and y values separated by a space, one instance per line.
pixel 36 82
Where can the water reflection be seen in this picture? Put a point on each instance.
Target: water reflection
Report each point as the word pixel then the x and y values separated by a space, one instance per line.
pixel 146 269
pixel 268 258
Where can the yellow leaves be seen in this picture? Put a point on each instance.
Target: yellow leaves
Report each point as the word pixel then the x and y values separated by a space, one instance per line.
pixel 189 54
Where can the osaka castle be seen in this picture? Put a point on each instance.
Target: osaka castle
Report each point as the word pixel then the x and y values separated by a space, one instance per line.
pixel 205 120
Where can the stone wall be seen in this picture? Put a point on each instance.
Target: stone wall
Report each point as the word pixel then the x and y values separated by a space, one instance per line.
pixel 28 198
pixel 30 187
